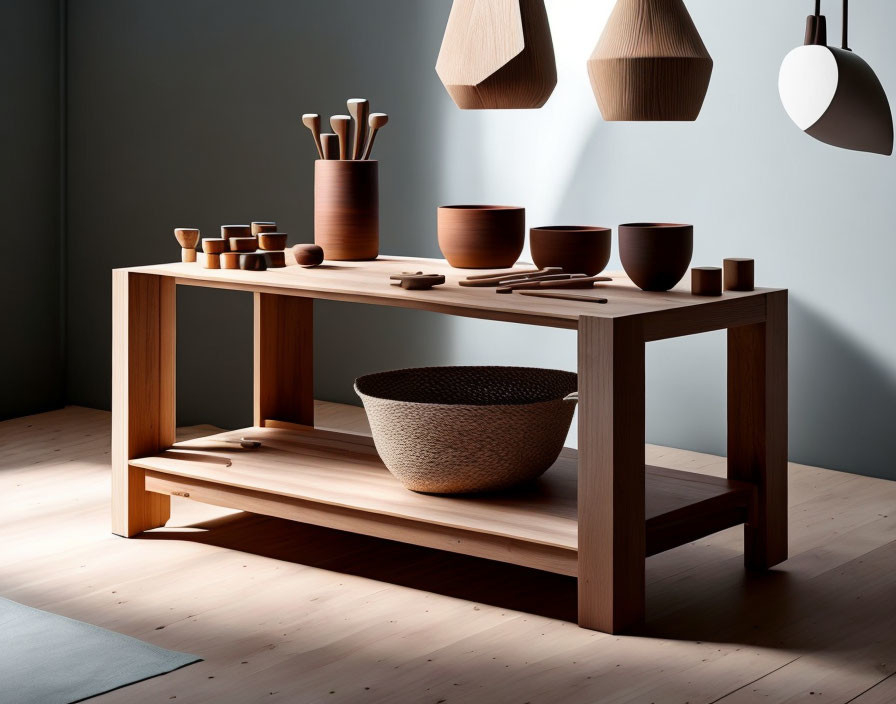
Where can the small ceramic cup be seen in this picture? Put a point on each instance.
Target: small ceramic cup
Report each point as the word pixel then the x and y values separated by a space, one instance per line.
pixel 577 250
pixel 656 255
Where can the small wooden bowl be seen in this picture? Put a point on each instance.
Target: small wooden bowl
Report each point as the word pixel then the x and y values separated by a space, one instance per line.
pixel 576 250
pixel 481 236
pixel 187 237
pixel 275 259
pixel 214 245
pixel 253 262
pixel 230 260
pixel 271 240
pixel 243 244
pixel 656 255
pixel 308 255
pixel 258 227
pixel 228 231
pixel 211 261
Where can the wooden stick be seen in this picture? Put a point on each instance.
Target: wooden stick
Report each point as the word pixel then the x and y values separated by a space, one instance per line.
pixel 340 125
pixel 578 282
pixel 377 121
pixel 494 280
pixel 564 296
pixel 359 109
pixel 312 122
pixel 330 144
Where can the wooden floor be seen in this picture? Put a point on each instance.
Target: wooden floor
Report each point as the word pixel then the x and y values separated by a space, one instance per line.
pixel 282 612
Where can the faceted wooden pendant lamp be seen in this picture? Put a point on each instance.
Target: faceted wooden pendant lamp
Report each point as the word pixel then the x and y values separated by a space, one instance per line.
pixel 650 63
pixel 833 95
pixel 498 54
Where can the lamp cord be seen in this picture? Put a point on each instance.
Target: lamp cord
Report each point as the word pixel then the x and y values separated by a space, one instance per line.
pixel 818 38
pixel 845 25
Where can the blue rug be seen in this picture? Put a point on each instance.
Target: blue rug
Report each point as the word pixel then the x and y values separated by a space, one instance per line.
pixel 50 659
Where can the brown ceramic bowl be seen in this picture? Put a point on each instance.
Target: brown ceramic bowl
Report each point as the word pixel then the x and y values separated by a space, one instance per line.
pixel 577 250
pixel 481 236
pixel 656 255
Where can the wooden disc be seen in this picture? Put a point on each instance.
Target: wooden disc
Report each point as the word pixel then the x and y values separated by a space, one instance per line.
pixel 272 240
pixel 258 227
pixel 243 244
pixel 230 260
pixel 253 262
pixel 275 259
pixel 228 231
pixel 212 261
pixel 214 245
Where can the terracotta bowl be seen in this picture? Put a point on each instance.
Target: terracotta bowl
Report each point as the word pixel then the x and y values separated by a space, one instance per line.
pixel 656 255
pixel 577 250
pixel 481 236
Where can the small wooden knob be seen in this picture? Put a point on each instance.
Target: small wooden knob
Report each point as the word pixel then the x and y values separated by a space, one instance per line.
pixel 272 240
pixel 228 231
pixel 187 237
pixel 263 226
pixel 214 245
pixel 253 262
pixel 308 255
pixel 738 274
pixel 230 260
pixel 212 260
pixel 243 244
pixel 276 259
pixel 706 281
pixel 188 255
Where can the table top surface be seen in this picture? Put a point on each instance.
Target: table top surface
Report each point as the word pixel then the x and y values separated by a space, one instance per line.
pixel 368 282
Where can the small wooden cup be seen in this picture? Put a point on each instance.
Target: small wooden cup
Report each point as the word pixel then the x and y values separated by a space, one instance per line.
pixel 253 262
pixel 214 245
pixel 706 281
pixel 275 259
pixel 259 227
pixel 243 244
pixel 738 274
pixel 187 237
pixel 212 260
pixel 228 231
pixel 230 260
pixel 308 255
pixel 271 241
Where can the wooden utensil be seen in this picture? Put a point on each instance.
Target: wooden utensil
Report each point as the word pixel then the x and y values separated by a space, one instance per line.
pixel 563 296
pixel 187 238
pixel 359 109
pixel 578 282
pixel 417 281
pixel 377 121
pixel 540 277
pixel 312 122
pixel 494 280
pixel 330 144
pixel 341 125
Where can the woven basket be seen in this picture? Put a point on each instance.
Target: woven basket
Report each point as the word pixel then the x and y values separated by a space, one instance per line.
pixel 453 430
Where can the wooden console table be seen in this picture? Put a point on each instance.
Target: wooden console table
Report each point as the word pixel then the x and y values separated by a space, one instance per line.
pixel 595 515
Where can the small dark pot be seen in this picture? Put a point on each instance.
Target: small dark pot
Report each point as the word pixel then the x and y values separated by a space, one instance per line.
pixel 656 255
pixel 577 250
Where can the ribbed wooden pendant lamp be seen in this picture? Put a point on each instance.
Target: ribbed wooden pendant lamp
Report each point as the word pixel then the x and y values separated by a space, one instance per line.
pixel 498 54
pixel 650 63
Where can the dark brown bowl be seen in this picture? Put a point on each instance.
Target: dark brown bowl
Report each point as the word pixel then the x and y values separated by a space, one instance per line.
pixel 577 250
pixel 481 236
pixel 656 255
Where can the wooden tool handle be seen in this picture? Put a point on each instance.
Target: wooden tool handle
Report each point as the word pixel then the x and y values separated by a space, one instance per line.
pixel 494 280
pixel 340 125
pixel 377 121
pixel 359 109
pixel 508 274
pixel 579 282
pixel 312 122
pixel 563 296
pixel 330 145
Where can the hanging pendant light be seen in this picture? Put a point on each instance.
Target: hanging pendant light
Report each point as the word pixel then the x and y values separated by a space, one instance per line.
pixel 650 63
pixel 498 54
pixel 832 94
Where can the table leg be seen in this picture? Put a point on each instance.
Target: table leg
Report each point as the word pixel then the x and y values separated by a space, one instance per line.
pixel 143 404
pixel 611 513
pixel 284 370
pixel 757 428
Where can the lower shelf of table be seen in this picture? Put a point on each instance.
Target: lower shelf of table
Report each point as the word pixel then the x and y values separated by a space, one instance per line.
pixel 338 481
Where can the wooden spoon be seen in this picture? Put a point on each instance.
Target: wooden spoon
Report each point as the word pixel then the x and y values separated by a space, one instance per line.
pixel 377 121
pixel 341 125
pixel 359 109
pixel 312 122
pixel 330 143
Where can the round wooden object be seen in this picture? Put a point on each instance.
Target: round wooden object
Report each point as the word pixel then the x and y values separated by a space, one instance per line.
pixel 228 231
pixel 308 255
pixel 655 255
pixel 243 244
pixel 706 281
pixel 498 54
pixel 187 237
pixel 738 274
pixel 346 209
pixel 481 236
pixel 214 245
pixel 271 240
pixel 576 250
pixel 230 260
pixel 188 255
pixel 650 63
pixel 253 262
pixel 212 260
pixel 275 259
pixel 259 227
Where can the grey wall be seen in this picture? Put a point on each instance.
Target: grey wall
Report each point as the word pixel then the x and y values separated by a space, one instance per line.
pixel 184 112
pixel 31 353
